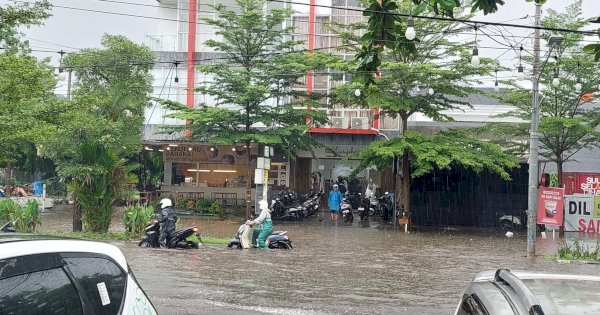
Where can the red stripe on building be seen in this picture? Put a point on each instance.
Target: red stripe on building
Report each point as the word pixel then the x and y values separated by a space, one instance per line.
pixel 191 55
pixel 311 45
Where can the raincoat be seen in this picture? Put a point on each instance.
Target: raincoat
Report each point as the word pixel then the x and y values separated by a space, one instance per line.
pixel 335 199
pixel 260 234
pixel 167 225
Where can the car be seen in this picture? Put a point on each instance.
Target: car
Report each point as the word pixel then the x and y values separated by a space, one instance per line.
pixel 500 292
pixel 45 275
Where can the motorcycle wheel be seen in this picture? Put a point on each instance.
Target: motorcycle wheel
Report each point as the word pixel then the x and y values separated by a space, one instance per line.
pixel 144 243
pixel 284 245
pixel 506 225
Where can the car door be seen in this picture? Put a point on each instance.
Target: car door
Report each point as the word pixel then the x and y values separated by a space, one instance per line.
pixel 37 285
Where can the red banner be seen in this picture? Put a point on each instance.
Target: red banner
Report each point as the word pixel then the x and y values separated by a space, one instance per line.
pixel 550 206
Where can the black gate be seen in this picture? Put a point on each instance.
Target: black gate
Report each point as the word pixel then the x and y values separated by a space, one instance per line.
pixel 463 197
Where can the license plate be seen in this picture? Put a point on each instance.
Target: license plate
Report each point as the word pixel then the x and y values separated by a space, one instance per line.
pixel 361 209
pixel 345 211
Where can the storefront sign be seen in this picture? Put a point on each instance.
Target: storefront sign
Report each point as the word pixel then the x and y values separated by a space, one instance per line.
pixel 582 213
pixel 550 206
pixel 183 154
pixel 582 183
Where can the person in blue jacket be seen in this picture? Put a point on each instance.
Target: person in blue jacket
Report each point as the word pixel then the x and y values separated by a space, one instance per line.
pixel 335 200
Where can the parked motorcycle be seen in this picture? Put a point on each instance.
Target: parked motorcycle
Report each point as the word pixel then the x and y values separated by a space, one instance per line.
pixel 346 207
pixel 277 239
pixel 365 209
pixel 183 238
pixel 512 222
pixel 8 227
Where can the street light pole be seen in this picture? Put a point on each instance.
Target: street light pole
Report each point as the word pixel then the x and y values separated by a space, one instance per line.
pixel 533 141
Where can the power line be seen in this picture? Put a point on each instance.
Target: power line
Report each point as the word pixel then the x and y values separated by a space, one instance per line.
pixel 468 22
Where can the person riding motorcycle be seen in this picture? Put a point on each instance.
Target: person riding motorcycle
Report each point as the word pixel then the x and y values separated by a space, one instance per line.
pixel 166 221
pixel 259 235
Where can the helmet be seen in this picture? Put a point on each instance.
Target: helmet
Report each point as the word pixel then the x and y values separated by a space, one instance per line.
pixel 263 205
pixel 166 202
pixel 335 187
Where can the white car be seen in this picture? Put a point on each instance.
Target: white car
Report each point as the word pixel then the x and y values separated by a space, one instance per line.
pixel 42 275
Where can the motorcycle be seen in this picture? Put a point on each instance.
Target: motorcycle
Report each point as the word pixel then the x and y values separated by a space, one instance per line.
pixel 513 222
pixel 282 212
pixel 365 209
pixel 346 207
pixel 183 238
pixel 277 239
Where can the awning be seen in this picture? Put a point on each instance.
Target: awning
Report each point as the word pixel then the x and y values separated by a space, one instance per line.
pixel 344 131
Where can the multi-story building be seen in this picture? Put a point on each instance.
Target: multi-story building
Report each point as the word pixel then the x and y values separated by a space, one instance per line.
pixel 200 170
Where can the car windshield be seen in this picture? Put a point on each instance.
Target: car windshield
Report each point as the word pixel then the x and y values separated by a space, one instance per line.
pixel 558 296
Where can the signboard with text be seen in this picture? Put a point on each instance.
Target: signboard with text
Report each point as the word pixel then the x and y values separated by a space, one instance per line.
pixel 550 206
pixel 582 213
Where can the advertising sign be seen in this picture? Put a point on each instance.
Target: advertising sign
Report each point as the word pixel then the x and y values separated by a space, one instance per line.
pixel 582 213
pixel 550 206
pixel 582 183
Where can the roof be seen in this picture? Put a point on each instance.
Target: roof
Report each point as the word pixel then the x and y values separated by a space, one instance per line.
pixel 16 244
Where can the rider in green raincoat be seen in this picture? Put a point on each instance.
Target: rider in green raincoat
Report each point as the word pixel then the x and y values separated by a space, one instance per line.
pixel 260 234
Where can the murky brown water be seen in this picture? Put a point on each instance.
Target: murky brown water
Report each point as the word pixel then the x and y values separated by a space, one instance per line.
pixel 333 269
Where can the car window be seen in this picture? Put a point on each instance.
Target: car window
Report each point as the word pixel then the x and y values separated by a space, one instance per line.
pixel 102 281
pixel 45 292
pixel 471 306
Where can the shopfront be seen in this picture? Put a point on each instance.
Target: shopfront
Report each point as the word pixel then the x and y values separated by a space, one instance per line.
pixel 215 172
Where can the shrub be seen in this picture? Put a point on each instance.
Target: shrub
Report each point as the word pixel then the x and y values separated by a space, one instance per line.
pixel 203 206
pixel 181 203
pixel 7 207
pixel 577 251
pixel 25 219
pixel 136 218
pixel 216 207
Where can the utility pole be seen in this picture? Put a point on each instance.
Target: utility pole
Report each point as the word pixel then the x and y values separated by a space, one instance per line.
pixel 533 141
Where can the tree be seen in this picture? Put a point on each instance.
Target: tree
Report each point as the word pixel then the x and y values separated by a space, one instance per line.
pixel 25 83
pixel 101 126
pixel 568 121
pixel 445 73
pixel 385 27
pixel 262 66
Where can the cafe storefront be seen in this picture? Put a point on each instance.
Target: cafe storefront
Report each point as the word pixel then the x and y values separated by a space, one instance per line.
pixel 199 171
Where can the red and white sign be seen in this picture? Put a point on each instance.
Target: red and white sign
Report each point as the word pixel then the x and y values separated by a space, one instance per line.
pixel 582 214
pixel 550 206
pixel 582 183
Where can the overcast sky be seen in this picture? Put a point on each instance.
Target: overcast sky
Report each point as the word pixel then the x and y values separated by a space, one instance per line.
pixel 74 29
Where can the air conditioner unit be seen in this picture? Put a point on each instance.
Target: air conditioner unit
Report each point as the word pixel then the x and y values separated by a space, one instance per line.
pixel 339 122
pixel 360 123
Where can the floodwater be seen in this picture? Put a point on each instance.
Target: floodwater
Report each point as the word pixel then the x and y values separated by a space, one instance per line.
pixel 333 269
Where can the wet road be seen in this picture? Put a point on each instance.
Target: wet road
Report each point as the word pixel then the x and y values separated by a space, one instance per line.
pixel 333 269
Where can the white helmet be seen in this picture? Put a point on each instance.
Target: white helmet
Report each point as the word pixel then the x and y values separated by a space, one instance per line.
pixel 166 202
pixel 263 205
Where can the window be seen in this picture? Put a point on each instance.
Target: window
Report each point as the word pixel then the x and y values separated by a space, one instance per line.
pixel 44 292
pixel 102 281
pixel 471 306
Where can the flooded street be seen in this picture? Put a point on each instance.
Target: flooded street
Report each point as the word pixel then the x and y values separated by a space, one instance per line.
pixel 333 269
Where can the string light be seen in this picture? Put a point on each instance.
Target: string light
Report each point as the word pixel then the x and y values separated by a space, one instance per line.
pixel 410 33
pixel 475 61
pixel 520 72
pixel 357 92
pixel 555 80
pixel 496 86
pixel 176 63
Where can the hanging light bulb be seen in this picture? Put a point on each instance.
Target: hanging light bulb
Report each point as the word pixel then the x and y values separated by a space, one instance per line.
pixel 578 85
pixel 176 63
pixel 496 87
pixel 556 80
pixel 357 92
pixel 176 79
pixel 475 58
pixel 520 73
pixel 431 91
pixel 410 33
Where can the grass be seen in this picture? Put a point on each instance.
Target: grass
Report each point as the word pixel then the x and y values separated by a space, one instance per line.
pixel 577 251
pixel 119 236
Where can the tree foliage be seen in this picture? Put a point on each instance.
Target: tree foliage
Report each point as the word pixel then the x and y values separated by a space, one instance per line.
pixel 17 15
pixel 441 151
pixel 568 120
pixel 101 126
pixel 255 102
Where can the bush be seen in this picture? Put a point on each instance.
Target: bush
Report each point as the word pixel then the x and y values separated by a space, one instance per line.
pixel 7 208
pixel 136 218
pixel 216 207
pixel 25 219
pixel 576 251
pixel 181 203
pixel 203 206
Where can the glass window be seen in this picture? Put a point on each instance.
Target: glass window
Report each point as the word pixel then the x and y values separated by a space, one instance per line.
pixel 102 281
pixel 44 292
pixel 471 306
